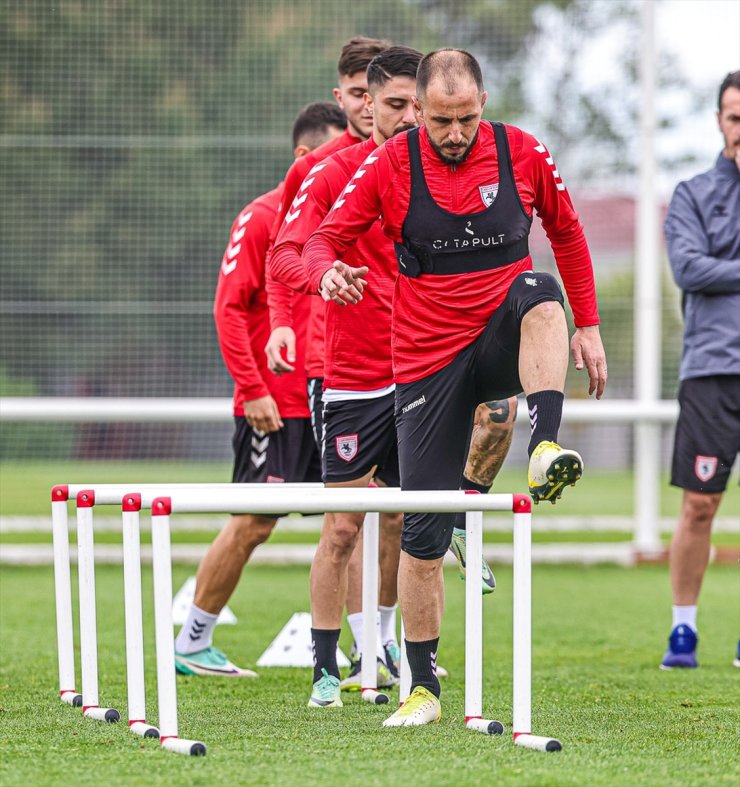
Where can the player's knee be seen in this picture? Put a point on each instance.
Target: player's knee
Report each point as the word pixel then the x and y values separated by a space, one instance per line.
pixel 699 510
pixel 249 530
pixel 390 525
pixel 343 534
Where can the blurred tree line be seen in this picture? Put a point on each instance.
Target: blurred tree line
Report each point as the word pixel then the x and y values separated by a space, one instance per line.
pixel 132 131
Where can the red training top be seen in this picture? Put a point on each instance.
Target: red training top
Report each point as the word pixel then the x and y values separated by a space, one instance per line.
pixel 280 297
pixel 240 311
pixel 358 339
pixel 435 317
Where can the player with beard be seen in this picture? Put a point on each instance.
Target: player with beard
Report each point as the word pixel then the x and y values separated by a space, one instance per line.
pixel 471 320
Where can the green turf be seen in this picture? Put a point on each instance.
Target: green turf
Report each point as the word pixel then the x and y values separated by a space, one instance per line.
pixel 599 634
pixel 25 486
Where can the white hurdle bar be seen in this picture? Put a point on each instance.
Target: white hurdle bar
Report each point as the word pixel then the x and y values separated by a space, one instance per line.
pixel 132 502
pixel 87 496
pixel 370 574
pixel 384 500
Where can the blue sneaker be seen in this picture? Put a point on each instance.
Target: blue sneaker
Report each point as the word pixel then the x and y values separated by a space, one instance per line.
pixel 681 651
pixel 736 662
pixel 209 661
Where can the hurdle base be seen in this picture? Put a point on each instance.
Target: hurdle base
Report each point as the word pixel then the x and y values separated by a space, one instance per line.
pixel 486 726
pixel 143 729
pixel 111 715
pixel 374 696
pixel 71 698
pixel 537 742
pixel 184 746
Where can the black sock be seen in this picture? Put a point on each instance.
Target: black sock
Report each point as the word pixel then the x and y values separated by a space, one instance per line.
pixel 325 651
pixel 422 658
pixel 545 413
pixel 466 483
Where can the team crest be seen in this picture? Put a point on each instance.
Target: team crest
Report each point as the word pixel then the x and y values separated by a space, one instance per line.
pixel 705 467
pixel 347 446
pixel 488 194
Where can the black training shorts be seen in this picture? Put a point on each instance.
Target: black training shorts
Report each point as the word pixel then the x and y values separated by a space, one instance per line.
pixel 434 415
pixel 360 434
pixel 707 436
pixel 288 455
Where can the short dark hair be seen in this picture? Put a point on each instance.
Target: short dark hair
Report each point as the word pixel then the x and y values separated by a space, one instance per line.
pixel 358 52
pixel 731 80
pixel 313 122
pixel 453 65
pixel 396 61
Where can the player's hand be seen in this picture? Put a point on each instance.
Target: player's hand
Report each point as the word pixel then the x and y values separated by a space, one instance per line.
pixel 343 284
pixel 281 338
pixel 587 349
pixel 263 415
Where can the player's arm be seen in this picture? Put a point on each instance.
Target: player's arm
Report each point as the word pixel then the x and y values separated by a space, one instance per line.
pixel 239 280
pixel 568 240
pixel 281 346
pixel 694 268
pixel 352 214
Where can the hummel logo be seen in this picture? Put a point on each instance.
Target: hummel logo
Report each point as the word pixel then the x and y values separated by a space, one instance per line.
pixel 533 418
pixel 416 403
pixel 719 210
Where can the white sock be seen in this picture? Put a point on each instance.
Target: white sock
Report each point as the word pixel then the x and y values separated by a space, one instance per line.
pixel 355 624
pixel 388 624
pixel 197 632
pixel 685 616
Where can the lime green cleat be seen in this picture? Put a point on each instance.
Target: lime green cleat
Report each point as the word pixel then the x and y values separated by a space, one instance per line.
pixel 457 547
pixel 421 707
pixel 551 468
pixel 326 692
pixel 209 661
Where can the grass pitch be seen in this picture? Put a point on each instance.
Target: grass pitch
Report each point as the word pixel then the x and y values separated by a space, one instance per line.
pixel 599 633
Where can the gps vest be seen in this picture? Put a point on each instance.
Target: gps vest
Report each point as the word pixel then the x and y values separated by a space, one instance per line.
pixel 438 242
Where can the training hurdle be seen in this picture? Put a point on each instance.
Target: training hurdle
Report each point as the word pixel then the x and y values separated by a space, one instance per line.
pixel 87 496
pixel 313 500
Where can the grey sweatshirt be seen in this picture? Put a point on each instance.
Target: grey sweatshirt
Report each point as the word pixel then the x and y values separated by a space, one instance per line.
pixel 702 231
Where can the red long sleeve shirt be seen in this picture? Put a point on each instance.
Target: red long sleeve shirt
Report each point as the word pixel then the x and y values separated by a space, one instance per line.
pixel 281 298
pixel 358 340
pixel 241 314
pixel 435 317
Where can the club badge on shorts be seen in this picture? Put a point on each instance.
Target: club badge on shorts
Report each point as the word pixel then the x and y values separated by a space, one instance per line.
pixel 705 467
pixel 347 445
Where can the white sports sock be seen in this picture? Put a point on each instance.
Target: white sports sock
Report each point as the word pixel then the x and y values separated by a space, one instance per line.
pixel 685 616
pixel 197 632
pixel 355 624
pixel 388 624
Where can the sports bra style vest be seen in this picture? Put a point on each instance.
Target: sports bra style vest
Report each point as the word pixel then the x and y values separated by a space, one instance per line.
pixel 438 242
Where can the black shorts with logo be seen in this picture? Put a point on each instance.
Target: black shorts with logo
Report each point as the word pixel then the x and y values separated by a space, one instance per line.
pixel 434 415
pixel 360 434
pixel 288 455
pixel 707 438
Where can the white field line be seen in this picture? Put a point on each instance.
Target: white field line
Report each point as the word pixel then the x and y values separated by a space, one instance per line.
pixel 312 524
